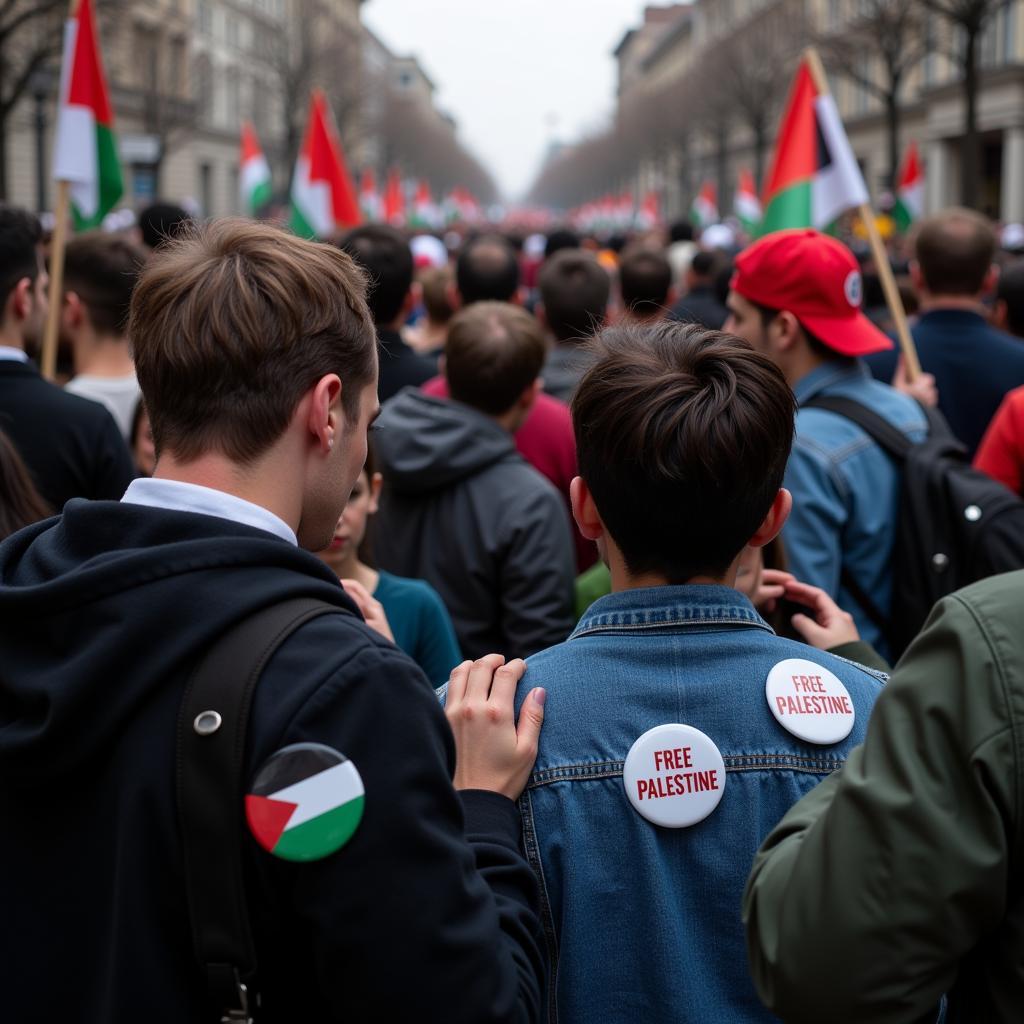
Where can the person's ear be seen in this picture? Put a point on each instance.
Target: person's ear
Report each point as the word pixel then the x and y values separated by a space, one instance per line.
pixel 376 481
pixel 772 524
pixel 518 297
pixel 530 393
pixel 584 511
pixel 1000 314
pixel 72 312
pixel 541 316
pixel 454 296
pixel 323 415
pixel 988 286
pixel 916 277
pixel 21 299
pixel 671 296
pixel 412 297
pixel 784 331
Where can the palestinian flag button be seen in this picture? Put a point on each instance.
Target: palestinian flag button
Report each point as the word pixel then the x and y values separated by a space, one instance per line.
pixel 305 803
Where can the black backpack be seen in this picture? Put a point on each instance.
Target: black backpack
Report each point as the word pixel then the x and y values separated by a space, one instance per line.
pixel 956 525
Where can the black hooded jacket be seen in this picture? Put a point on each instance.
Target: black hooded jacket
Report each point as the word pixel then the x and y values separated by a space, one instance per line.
pixel 464 511
pixel 103 612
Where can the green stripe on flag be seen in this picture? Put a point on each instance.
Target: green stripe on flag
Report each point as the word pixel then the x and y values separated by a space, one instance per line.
pixel 111 184
pixel 328 831
pixel 299 225
pixel 790 208
pixel 259 197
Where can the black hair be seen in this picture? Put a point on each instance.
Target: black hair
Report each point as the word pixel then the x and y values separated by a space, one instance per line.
pixel 384 254
pixel 20 237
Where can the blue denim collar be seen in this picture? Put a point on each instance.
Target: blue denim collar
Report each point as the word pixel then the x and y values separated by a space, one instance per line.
pixel 652 607
pixel 827 375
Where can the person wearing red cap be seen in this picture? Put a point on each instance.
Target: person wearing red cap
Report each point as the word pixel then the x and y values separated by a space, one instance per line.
pixel 796 297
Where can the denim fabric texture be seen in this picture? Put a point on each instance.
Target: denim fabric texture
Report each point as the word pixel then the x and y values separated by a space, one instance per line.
pixel 846 490
pixel 642 922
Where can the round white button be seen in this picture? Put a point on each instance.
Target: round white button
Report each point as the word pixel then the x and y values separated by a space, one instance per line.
pixel 674 775
pixel 809 701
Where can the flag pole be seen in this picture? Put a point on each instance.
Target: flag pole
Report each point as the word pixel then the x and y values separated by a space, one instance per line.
pixel 61 212
pixel 881 257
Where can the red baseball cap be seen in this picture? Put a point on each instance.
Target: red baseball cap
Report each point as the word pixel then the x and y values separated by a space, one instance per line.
pixel 816 278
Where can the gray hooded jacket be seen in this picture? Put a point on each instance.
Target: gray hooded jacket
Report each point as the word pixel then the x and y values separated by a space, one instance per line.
pixel 462 510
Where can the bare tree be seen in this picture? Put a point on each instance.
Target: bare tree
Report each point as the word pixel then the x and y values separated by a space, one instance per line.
pixel 893 32
pixel 969 19
pixel 30 40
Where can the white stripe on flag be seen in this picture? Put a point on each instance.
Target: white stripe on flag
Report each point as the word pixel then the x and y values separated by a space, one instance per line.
pixel 321 793
pixel 313 198
pixel 841 187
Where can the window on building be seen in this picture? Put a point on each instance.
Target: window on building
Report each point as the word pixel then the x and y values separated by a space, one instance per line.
pixel 234 96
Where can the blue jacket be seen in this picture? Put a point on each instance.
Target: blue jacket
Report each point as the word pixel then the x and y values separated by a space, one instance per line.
pixel 643 922
pixel 974 366
pixel 846 491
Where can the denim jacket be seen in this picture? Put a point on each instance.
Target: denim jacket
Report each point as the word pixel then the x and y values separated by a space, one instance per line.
pixel 846 490
pixel 642 922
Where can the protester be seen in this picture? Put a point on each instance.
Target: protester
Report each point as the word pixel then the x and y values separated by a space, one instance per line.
pixel 699 303
pixel 419 622
pixel 1008 310
pixel 71 446
pixel 427 337
pixel 487 270
pixel 974 364
pixel 161 221
pixel 795 297
pixel 645 285
pixel 99 274
pixel 683 437
pixel 544 438
pixel 574 290
pixel 461 509
pixel 681 248
pixel 387 259
pixel 256 355
pixel 895 881
pixel 559 240
pixel 20 503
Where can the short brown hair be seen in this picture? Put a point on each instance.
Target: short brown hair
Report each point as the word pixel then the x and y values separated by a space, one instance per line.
pixel 645 277
pixel 682 436
pixel 102 269
pixel 574 288
pixel 955 249
pixel 435 282
pixel 494 352
pixel 231 322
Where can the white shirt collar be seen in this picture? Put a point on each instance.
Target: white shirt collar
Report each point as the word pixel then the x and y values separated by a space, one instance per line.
pixel 179 496
pixel 15 355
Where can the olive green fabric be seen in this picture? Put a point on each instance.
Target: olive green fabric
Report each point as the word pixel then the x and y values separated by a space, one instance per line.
pixel 899 878
pixel 594 583
pixel 863 653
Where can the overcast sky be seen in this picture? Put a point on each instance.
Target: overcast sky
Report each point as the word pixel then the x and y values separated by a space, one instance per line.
pixel 513 73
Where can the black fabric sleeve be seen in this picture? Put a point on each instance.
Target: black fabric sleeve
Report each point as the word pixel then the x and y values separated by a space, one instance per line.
pixel 422 915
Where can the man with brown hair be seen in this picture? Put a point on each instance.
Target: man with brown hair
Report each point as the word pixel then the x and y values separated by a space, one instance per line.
pixel 461 508
pixel 100 271
pixel 974 364
pixel 684 725
pixel 645 285
pixel 257 359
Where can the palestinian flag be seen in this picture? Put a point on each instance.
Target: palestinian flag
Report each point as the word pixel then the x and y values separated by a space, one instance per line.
pixel 745 204
pixel 394 201
pixel 424 213
pixel 254 173
pixel 323 196
pixel 814 176
pixel 648 216
pixel 306 802
pixel 369 197
pixel 705 207
pixel 909 191
pixel 85 150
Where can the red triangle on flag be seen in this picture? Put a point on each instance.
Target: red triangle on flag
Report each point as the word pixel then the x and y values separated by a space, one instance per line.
pixel 267 819
pixel 796 147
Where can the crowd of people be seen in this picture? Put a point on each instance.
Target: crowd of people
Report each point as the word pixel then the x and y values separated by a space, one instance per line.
pixel 597 565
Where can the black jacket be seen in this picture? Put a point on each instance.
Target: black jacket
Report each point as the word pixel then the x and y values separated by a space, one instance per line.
pixel 700 306
pixel 72 447
pixel 462 510
pixel 103 612
pixel 400 366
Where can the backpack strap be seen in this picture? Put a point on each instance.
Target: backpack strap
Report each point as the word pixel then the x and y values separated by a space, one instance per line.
pixel 897 446
pixel 890 439
pixel 212 723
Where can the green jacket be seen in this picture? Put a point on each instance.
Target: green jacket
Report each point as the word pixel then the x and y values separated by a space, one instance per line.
pixel 901 877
